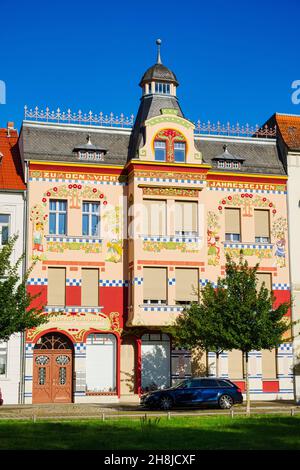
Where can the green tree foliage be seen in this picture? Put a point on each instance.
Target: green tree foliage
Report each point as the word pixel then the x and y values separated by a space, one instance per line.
pixel 16 311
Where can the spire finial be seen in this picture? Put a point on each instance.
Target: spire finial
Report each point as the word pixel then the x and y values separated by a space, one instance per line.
pixel 158 43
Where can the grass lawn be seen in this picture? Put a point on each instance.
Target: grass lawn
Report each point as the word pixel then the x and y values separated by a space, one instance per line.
pixel 220 432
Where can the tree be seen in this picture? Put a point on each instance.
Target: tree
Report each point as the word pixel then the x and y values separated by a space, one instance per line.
pixel 254 322
pixel 17 312
pixel 204 324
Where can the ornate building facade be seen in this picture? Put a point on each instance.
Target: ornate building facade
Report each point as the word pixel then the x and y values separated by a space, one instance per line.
pixel 12 221
pixel 126 222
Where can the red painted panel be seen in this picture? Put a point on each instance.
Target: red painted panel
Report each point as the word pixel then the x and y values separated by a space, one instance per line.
pixel 270 386
pixel 282 296
pixel 114 299
pixel 73 295
pixel 241 384
pixel 41 300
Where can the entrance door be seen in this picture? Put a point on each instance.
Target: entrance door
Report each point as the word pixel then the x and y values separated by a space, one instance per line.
pixel 52 372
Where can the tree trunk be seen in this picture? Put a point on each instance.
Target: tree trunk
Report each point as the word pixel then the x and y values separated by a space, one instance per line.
pixel 217 363
pixel 247 385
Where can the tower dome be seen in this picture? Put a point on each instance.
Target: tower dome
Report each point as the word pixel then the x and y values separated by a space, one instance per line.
pixel 158 73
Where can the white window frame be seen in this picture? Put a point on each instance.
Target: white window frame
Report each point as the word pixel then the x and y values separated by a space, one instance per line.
pixel 5 224
pixel 90 214
pixel 57 212
pixel 4 347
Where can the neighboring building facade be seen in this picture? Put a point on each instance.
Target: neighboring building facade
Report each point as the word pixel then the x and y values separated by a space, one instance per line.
pixel 126 221
pixel 288 136
pixel 12 221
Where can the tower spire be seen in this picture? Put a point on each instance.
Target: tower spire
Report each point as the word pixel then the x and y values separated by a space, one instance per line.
pixel 158 43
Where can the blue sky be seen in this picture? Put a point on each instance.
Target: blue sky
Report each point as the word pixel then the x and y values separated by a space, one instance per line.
pixel 234 60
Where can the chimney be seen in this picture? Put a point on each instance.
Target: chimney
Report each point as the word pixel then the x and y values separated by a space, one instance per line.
pixel 10 127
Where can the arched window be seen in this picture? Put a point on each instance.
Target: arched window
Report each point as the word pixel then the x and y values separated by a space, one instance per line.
pixel 170 146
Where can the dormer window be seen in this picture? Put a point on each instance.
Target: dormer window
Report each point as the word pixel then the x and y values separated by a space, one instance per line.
pixel 160 151
pixel 90 152
pixel 179 152
pixel 170 146
pixel 228 161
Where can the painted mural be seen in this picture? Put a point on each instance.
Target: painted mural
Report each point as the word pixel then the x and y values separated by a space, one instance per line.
pixel 113 219
pixel 247 202
pixel 183 247
pixel 279 230
pixel 213 239
pixel 42 242
pixel 77 325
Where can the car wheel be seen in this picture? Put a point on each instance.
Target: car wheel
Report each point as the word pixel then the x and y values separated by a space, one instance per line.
pixel 225 402
pixel 166 403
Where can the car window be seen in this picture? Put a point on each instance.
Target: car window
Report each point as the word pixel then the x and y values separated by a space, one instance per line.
pixel 224 383
pixel 208 383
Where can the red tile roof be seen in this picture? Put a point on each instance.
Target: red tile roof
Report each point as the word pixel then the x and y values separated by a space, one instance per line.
pixel 11 172
pixel 289 128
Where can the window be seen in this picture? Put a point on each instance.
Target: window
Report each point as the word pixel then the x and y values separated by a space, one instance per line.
pixel 235 364
pixel 236 165
pixel 56 286
pixel 90 287
pixel 186 218
pixel 232 225
pixel 101 363
pixel 262 226
pixel 264 278
pixel 162 88
pixel 154 217
pixel 187 281
pixel 58 217
pixel 4 228
pixel 221 164
pixel 160 151
pixel 228 164
pixel 3 359
pixel 268 363
pixel 155 285
pixel 179 152
pixel 91 219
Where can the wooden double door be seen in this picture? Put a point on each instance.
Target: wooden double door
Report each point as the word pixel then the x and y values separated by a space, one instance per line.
pixel 52 376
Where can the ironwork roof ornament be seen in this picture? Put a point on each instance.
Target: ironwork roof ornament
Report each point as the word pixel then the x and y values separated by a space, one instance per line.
pixel 158 43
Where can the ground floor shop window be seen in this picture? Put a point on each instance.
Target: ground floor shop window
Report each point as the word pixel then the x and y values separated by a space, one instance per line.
pixel 101 363
pixel 156 361
pixel 3 359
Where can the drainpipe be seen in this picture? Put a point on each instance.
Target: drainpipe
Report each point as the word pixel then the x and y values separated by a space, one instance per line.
pixel 24 269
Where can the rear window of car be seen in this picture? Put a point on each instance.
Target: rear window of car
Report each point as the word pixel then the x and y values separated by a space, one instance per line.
pixel 208 383
pixel 224 384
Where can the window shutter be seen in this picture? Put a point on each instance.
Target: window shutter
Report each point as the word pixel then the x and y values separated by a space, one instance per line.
pixel 262 225
pixel 186 216
pixel 235 364
pixel 90 287
pixel 155 283
pixel 266 278
pixel 187 282
pixel 268 363
pixel 232 220
pixel 56 286
pixel 154 217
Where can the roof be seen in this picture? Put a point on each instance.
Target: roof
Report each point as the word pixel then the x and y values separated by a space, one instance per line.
pixel 57 143
pixel 11 171
pixel 226 155
pixel 159 72
pixel 289 128
pixel 260 157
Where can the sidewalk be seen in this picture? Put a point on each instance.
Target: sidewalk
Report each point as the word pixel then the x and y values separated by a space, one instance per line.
pixel 129 410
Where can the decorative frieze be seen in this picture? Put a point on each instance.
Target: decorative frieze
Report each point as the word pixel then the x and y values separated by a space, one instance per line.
pixel 169 191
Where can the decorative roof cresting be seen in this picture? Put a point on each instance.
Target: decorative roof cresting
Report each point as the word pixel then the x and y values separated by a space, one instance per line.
pixel 112 120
